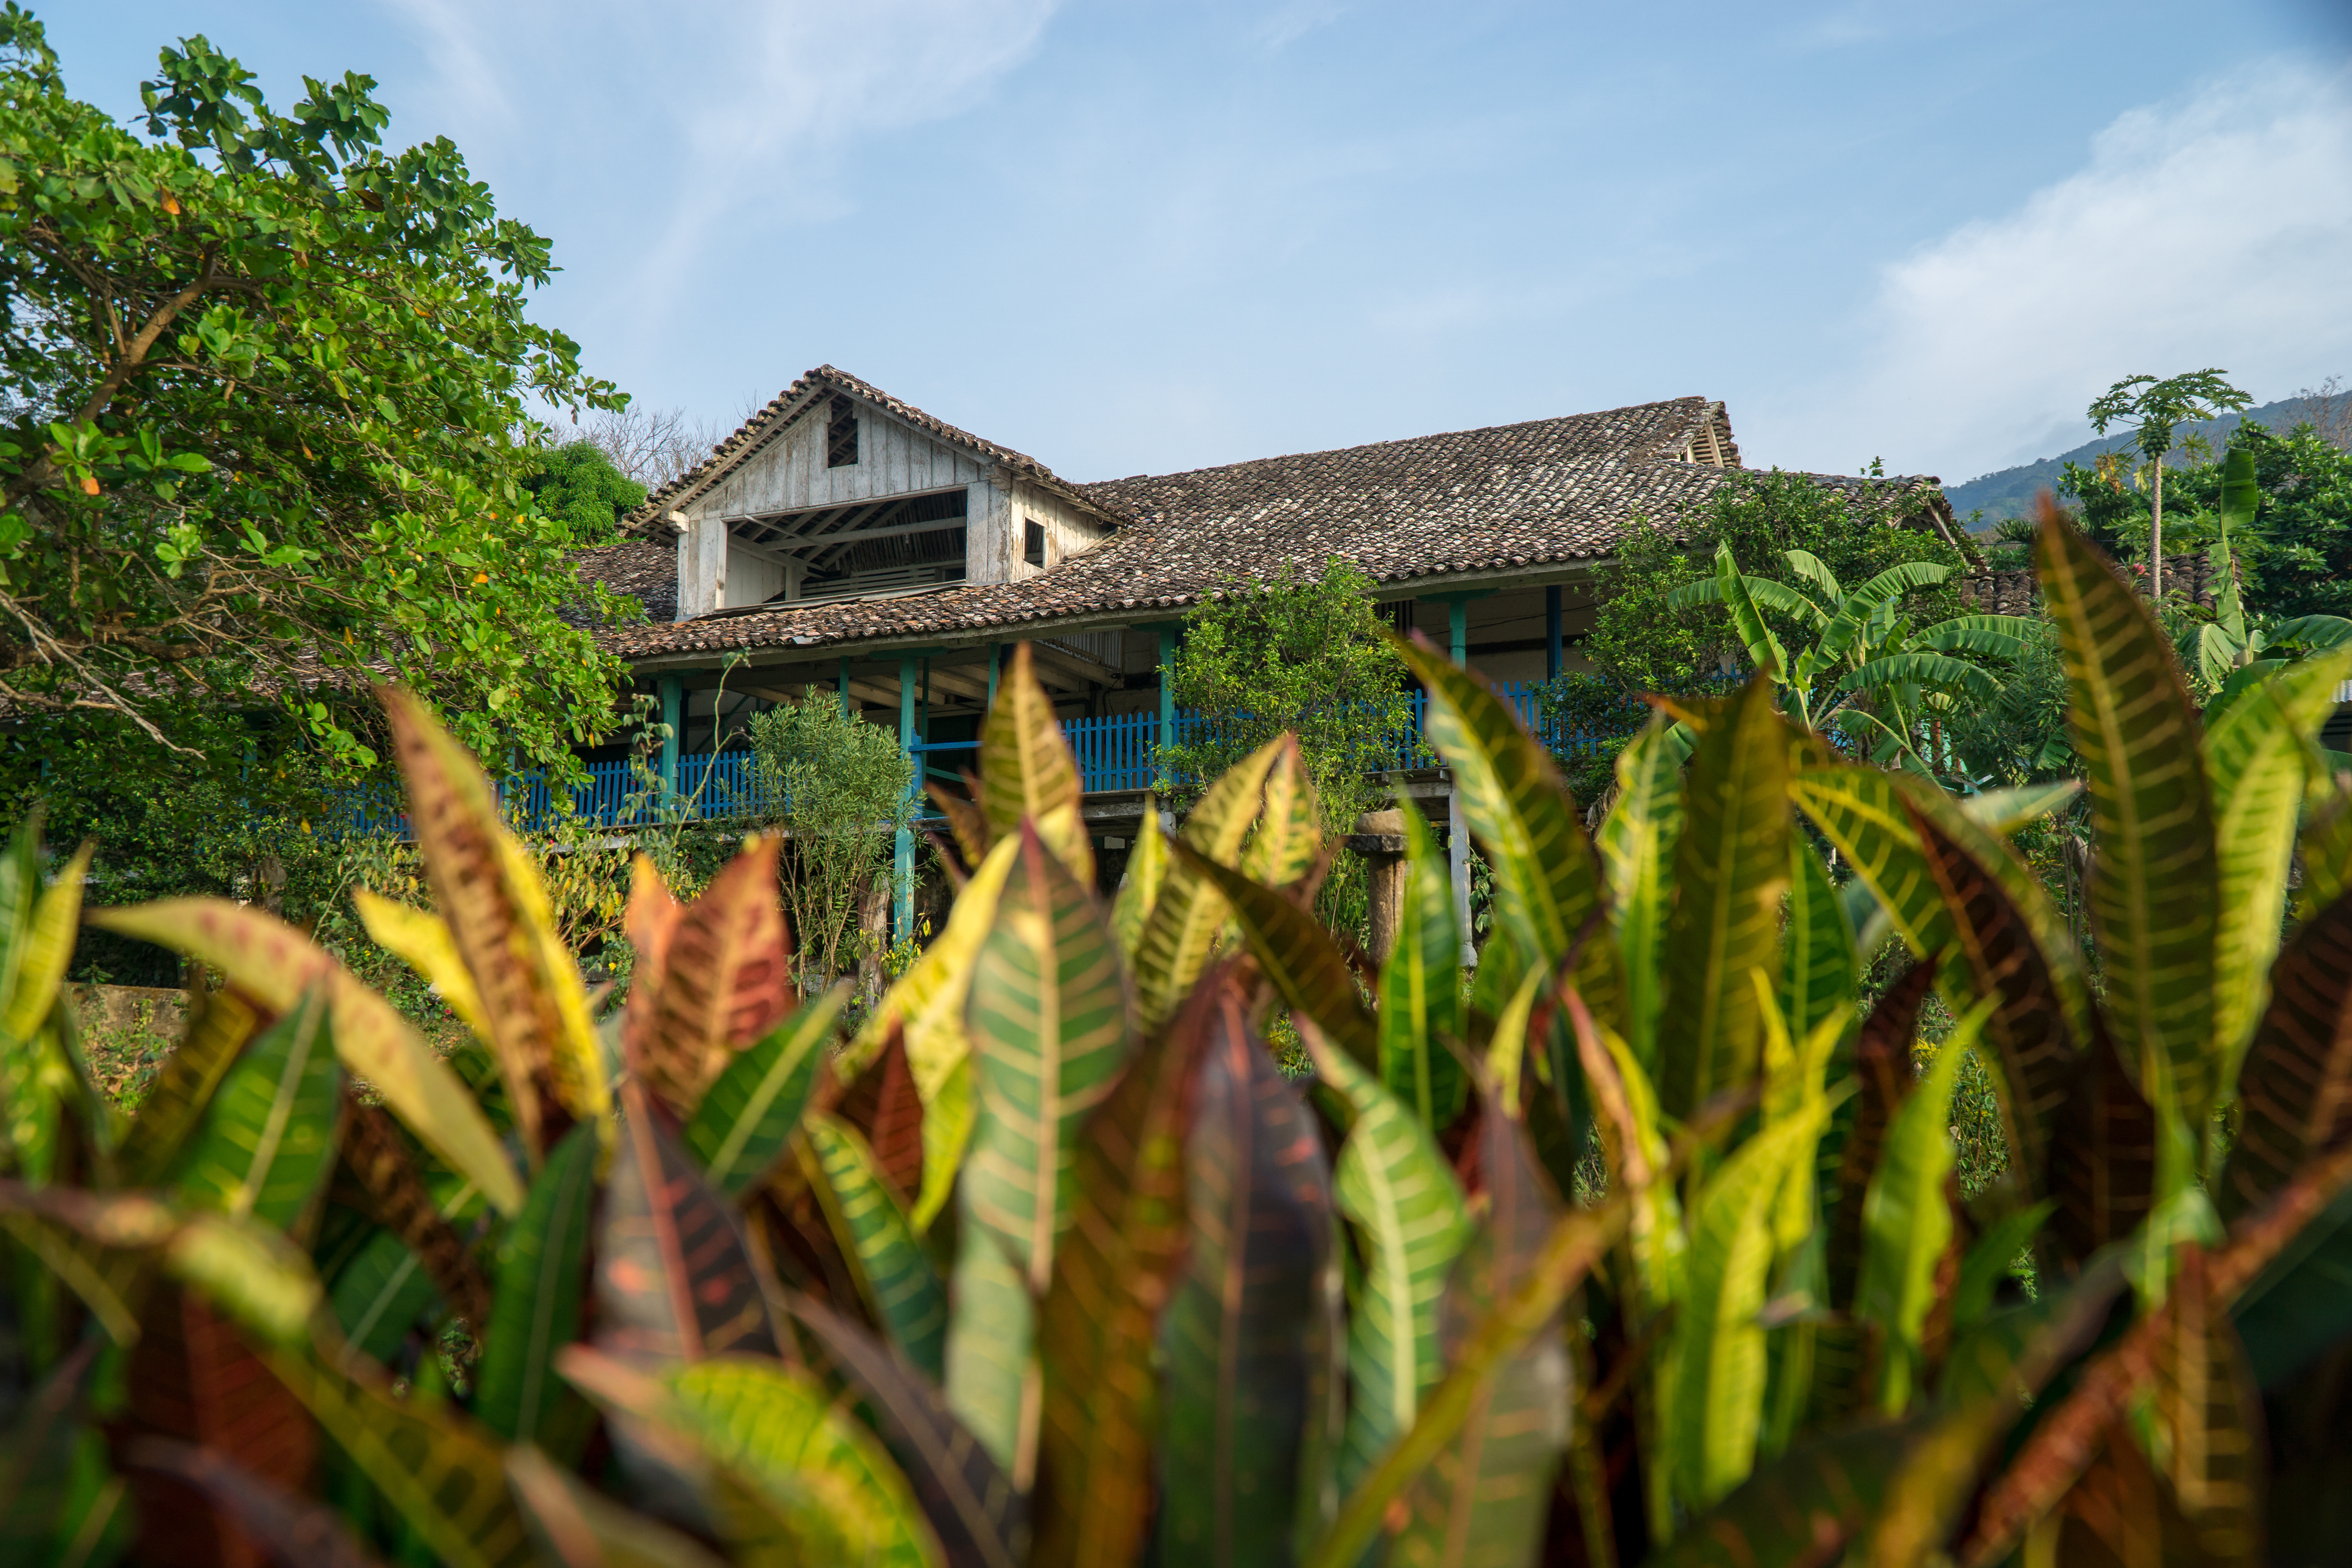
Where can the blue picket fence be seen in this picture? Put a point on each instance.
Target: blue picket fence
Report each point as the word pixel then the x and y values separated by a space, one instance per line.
pixel 1115 752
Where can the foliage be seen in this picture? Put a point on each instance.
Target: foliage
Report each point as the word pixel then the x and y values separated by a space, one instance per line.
pixel 2156 407
pixel 1858 531
pixel 261 383
pixel 840 789
pixel 1889 681
pixel 1048 1259
pixel 1305 656
pixel 2295 555
pixel 578 487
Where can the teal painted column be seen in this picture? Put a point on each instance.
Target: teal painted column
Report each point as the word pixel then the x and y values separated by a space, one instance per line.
pixel 902 861
pixel 995 667
pixel 845 689
pixel 1457 628
pixel 1551 633
pixel 1167 697
pixel 673 712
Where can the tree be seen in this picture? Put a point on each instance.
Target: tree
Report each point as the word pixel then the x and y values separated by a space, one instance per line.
pixel 578 486
pixel 1306 655
pixel 1855 532
pixel 841 789
pixel 2154 407
pixel 264 389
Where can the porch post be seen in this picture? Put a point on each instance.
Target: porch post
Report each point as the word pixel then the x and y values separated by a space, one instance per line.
pixel 1167 700
pixel 673 712
pixel 995 666
pixel 1458 629
pixel 1551 633
pixel 845 689
pixel 1457 866
pixel 902 861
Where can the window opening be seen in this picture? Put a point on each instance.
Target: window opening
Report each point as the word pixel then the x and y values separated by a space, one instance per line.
pixel 1033 542
pixel 841 434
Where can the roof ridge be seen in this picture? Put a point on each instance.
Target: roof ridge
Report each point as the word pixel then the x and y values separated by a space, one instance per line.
pixel 1703 403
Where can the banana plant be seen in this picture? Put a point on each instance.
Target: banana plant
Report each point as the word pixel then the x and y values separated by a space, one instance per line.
pixel 1883 676
pixel 2216 650
pixel 1649 1249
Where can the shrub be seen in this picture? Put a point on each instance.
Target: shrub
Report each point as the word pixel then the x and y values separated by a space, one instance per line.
pixel 1650 1250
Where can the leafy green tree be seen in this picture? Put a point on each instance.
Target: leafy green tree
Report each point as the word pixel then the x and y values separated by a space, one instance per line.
pixel 841 789
pixel 1641 642
pixel 2295 558
pixel 262 384
pixel 578 485
pixel 1306 655
pixel 2155 408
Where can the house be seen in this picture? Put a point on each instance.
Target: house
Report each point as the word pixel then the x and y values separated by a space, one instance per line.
pixel 843 539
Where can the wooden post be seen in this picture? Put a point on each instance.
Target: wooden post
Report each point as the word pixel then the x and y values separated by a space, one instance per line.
pixel 902 859
pixel 1551 633
pixel 673 712
pixel 1379 840
pixel 1167 701
pixel 1457 867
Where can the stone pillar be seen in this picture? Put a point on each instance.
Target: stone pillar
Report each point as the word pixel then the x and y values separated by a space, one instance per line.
pixel 1379 840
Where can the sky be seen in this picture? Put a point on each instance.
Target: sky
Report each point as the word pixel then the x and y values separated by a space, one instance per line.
pixel 1129 237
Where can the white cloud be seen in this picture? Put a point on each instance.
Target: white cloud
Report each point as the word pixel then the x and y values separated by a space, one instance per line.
pixel 2215 229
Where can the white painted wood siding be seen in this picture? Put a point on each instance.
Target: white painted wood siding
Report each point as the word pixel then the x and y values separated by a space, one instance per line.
pixel 1068 528
pixel 789 474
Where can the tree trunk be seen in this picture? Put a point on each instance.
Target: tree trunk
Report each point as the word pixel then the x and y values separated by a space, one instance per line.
pixel 2155 539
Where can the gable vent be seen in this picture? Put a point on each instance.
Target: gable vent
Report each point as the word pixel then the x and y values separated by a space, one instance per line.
pixel 841 434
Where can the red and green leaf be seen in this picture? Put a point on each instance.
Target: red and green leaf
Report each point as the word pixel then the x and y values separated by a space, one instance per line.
pixel 1251 1338
pixel 1113 1273
pixel 674 1279
pixel 724 980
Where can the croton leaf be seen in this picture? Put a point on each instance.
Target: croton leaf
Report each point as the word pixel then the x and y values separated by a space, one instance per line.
pixel 1731 866
pixel 542 1266
pixel 268 1136
pixel 1051 1022
pixel 1252 1337
pixel 2152 885
pixel 725 980
pixel 2296 1085
pixel 2101 1155
pixel 1484 1498
pixel 1113 1273
pixel 673 1281
pixel 193 1378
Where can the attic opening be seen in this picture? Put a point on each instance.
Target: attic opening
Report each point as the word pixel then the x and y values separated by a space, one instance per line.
pixel 901 544
pixel 841 434
pixel 1033 542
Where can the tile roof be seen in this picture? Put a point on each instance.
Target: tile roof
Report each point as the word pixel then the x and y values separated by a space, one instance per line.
pixel 641 569
pixel 780 411
pixel 1548 492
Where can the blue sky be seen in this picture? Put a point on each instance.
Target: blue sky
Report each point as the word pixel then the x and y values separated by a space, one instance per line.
pixel 1135 237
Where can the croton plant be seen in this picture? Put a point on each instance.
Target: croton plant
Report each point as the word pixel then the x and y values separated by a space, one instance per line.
pixel 1645 1245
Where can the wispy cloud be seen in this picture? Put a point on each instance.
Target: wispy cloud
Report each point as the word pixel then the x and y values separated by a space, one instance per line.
pixel 2209 230
pixel 706 124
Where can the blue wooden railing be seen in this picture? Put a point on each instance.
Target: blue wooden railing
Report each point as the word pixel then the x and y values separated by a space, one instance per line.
pixel 1115 752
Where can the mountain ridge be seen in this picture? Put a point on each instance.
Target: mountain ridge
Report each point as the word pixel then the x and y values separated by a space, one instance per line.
pixel 2009 492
